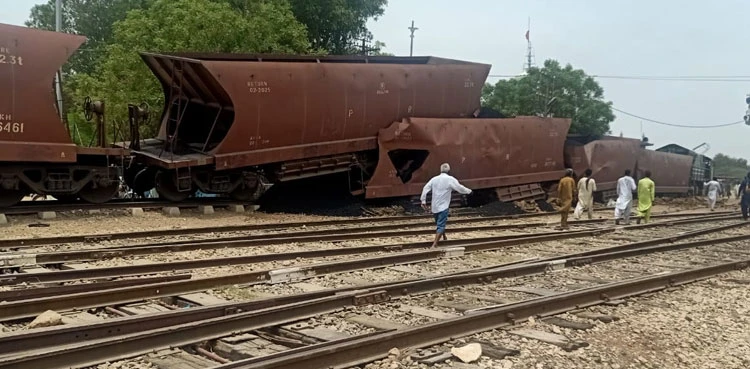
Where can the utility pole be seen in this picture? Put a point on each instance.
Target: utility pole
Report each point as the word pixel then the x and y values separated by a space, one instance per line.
pixel 411 46
pixel 58 76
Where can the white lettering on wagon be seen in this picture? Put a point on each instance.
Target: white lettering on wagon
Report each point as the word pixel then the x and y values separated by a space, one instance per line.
pixel 258 87
pixel 8 126
pixel 7 58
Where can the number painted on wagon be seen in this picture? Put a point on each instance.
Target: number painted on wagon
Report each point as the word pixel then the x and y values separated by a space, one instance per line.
pixel 258 87
pixel 11 59
pixel 11 127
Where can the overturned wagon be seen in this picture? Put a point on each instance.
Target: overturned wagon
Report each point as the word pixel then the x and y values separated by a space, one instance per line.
pixel 516 156
pixel 232 121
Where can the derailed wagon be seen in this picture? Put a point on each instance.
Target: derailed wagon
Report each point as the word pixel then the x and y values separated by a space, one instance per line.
pixel 231 122
pixel 608 158
pixel 516 156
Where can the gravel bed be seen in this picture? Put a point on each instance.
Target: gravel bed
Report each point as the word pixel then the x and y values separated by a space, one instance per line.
pixel 700 325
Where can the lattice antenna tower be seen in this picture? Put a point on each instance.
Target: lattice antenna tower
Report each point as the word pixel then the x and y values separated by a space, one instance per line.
pixel 529 49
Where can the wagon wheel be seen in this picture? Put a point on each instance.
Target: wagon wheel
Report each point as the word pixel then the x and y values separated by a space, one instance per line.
pixel 99 194
pixel 244 193
pixel 166 186
pixel 9 198
pixel 88 111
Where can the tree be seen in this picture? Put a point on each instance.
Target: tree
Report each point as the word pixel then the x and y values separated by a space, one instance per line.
pixel 92 18
pixel 556 91
pixel 173 26
pixel 727 166
pixel 336 26
pixel 380 49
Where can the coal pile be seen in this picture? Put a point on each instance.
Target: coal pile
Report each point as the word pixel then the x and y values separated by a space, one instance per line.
pixel 325 195
pixel 499 208
pixel 545 206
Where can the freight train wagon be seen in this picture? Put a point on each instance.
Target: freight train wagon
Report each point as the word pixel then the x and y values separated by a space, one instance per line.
pixel 702 170
pixel 232 122
pixel 608 157
pixel 37 154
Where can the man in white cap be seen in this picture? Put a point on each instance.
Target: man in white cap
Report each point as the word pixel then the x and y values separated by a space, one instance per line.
pixel 441 187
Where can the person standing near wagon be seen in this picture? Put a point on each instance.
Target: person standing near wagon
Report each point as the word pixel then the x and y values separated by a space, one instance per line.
pixel 565 195
pixel 586 189
pixel 441 187
pixel 625 188
pixel 713 191
pixel 744 192
pixel 646 193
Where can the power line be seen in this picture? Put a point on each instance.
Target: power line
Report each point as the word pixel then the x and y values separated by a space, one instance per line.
pixel 678 125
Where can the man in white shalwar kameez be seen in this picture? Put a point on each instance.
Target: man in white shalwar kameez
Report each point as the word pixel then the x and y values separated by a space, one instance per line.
pixel 713 189
pixel 625 188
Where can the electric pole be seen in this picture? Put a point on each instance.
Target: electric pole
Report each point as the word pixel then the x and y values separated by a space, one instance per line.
pixel 58 76
pixel 411 46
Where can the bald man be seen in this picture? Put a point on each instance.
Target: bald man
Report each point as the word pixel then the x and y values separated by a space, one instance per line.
pixel 441 187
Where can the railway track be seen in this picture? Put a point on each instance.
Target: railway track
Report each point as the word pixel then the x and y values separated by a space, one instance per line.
pixel 33 207
pixel 57 258
pixel 188 327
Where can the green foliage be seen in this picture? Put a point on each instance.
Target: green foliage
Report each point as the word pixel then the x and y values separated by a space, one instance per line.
pixel 575 95
pixel 727 166
pixel 337 26
pixel 179 25
pixel 92 18
pixel 380 49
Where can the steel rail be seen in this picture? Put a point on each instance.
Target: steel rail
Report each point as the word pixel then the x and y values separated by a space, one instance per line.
pixel 470 245
pixel 263 240
pixel 32 293
pixel 17 242
pixel 266 240
pixel 26 242
pixel 35 340
pixel 31 307
pixel 349 352
pixel 31 207
pixel 653 242
pixel 142 269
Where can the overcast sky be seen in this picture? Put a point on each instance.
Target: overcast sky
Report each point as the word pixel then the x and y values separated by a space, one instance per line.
pixel 613 37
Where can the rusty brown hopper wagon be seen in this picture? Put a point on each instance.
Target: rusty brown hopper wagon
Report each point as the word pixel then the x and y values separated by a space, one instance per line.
pixel 514 155
pixel 37 154
pixel 608 158
pixel 230 120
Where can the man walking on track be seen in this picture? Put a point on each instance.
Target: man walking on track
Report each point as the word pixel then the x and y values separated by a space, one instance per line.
pixel 586 189
pixel 441 187
pixel 744 192
pixel 646 193
pixel 565 196
pixel 625 188
pixel 713 190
